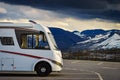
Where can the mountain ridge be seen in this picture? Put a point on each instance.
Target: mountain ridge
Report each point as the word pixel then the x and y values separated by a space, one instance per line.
pixel 85 40
pixel 108 40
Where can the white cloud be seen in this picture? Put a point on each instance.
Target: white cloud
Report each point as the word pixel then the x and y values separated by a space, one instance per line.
pixel 25 12
pixel 118 25
pixel 19 13
pixel 3 10
pixel 33 13
pixel 75 24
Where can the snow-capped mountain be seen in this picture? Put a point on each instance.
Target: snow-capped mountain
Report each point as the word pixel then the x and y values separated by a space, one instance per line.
pixel 79 34
pixel 87 39
pixel 96 39
pixel 101 40
pixel 111 42
pixel 88 44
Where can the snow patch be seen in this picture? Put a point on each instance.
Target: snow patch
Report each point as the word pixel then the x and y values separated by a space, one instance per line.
pixel 112 42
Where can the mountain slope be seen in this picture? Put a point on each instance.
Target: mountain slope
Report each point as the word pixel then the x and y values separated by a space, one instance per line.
pixel 64 39
pixel 112 42
pixel 86 40
pixel 88 44
pixel 101 40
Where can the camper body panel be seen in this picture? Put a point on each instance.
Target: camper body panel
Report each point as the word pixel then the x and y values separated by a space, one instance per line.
pixel 15 58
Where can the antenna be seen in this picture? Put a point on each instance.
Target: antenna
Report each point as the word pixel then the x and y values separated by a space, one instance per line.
pixel 32 21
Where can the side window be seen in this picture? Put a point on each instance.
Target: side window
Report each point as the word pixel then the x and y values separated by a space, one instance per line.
pixel 34 41
pixel 7 41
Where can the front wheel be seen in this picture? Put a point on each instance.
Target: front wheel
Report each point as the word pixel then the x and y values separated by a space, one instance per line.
pixel 43 69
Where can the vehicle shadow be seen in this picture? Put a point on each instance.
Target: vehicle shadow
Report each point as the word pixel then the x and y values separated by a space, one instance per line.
pixel 26 75
pixel 17 75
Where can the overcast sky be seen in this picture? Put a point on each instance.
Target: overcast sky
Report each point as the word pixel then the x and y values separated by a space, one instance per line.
pixel 68 14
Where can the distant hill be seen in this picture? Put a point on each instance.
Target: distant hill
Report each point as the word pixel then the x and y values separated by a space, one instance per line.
pixel 86 40
pixel 111 42
pixel 98 39
pixel 64 39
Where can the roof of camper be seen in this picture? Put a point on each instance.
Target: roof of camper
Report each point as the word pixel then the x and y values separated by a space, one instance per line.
pixel 21 25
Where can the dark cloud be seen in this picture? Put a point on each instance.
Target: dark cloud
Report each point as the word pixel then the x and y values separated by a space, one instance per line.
pixel 113 1
pixel 55 4
pixel 85 9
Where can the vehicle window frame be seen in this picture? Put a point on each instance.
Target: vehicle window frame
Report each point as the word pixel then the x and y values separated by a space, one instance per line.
pixel 44 36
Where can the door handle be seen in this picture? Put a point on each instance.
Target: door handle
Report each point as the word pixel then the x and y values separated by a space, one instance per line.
pixel 2 64
pixel 12 64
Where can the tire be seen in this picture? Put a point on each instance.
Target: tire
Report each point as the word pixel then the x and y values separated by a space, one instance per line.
pixel 43 69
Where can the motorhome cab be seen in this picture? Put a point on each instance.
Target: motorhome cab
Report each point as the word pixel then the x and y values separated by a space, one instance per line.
pixel 28 47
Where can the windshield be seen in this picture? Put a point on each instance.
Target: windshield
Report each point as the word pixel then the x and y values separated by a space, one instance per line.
pixel 53 41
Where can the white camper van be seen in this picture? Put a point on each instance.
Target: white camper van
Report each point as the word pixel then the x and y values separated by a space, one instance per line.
pixel 28 47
